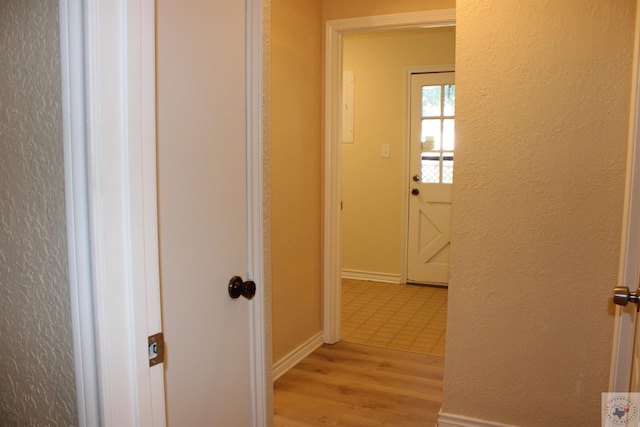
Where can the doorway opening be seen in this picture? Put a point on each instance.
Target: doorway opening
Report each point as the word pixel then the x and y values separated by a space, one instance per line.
pixel 382 118
pixel 336 30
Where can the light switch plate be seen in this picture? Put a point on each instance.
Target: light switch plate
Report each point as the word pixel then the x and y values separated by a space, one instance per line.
pixel 386 150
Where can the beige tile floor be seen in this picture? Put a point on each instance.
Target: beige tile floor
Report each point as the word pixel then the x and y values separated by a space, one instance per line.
pixel 401 317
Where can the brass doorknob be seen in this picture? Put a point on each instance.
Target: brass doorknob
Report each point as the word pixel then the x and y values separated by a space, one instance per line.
pixel 415 191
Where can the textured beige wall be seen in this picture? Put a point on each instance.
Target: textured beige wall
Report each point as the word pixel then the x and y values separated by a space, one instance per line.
pixel 372 186
pixel 543 104
pixel 339 9
pixel 296 156
pixel 37 381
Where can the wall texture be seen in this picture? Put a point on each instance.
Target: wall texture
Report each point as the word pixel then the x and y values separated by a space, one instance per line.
pixel 543 103
pixel 37 384
pixel 372 186
pixel 296 156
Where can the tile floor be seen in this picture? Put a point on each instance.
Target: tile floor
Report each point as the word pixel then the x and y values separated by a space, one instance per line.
pixel 401 317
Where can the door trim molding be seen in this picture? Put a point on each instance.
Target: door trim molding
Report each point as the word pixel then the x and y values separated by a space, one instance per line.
pixel 334 31
pixel 71 15
pixel 625 318
pixel 110 174
pixel 257 204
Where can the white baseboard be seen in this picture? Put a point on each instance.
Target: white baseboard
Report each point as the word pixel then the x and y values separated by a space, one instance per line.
pixel 294 357
pixel 452 420
pixel 370 275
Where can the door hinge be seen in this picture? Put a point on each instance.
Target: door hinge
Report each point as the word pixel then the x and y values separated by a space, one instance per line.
pixel 156 349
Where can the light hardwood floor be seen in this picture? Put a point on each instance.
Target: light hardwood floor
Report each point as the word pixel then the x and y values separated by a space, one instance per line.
pixel 348 384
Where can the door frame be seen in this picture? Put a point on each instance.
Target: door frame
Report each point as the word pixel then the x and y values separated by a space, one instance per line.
pixel 625 317
pixel 334 32
pixel 108 102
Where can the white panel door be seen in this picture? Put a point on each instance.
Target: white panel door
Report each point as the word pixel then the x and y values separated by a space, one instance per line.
pixel 432 116
pixel 202 192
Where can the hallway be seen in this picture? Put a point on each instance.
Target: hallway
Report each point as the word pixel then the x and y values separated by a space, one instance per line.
pixel 349 384
pixel 386 370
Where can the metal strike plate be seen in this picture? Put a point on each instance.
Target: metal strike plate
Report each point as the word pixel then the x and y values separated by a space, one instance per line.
pixel 156 349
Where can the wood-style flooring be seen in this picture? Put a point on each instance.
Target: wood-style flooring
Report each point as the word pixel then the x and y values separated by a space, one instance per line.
pixel 348 384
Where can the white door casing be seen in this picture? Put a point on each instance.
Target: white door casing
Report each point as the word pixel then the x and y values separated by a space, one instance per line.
pixel 334 32
pixel 108 63
pixel 107 56
pixel 429 222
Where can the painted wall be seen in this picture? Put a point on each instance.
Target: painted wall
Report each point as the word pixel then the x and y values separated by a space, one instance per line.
pixel 340 9
pixel 543 103
pixel 37 382
pixel 296 156
pixel 372 186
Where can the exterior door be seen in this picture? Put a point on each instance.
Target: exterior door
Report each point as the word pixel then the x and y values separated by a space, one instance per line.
pixel 432 118
pixel 202 190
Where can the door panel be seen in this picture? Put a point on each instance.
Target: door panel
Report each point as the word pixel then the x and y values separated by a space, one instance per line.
pixel 202 209
pixel 431 165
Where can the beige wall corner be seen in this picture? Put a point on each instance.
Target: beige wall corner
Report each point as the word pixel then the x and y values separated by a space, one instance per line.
pixel 543 104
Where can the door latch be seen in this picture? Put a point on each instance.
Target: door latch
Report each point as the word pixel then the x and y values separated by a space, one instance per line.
pixel 156 349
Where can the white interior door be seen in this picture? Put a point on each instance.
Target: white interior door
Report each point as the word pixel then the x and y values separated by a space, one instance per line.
pixel 202 119
pixel 432 118
pixel 625 372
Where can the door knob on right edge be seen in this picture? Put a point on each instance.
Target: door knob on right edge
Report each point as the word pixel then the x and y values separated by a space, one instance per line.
pixel 415 191
pixel 238 287
pixel 622 296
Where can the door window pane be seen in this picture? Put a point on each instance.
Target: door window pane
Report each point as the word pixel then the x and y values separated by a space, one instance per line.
pixel 431 96
pixel 430 137
pixel 448 134
pixel 437 133
pixel 449 100
pixel 430 170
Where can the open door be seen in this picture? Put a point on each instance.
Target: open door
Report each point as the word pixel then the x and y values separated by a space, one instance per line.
pixel 209 113
pixel 203 211
pixel 624 365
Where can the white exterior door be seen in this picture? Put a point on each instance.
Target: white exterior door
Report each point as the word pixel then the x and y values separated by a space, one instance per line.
pixel 432 117
pixel 202 190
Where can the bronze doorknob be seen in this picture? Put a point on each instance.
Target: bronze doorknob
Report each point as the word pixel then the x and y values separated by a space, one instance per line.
pixel 238 287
